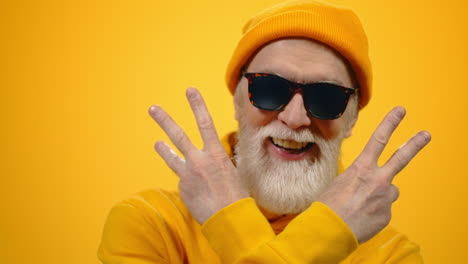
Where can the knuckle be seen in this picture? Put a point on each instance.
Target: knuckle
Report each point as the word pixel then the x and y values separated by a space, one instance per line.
pixel 379 204
pixel 419 143
pixel 221 159
pixel 162 118
pixel 386 218
pixel 394 120
pixel 174 160
pixel 355 167
pixel 179 135
pixel 395 193
pixel 361 168
pixel 380 184
pixel 380 139
pixel 400 159
pixel 196 169
pixel 358 167
pixel 378 189
pixel 205 122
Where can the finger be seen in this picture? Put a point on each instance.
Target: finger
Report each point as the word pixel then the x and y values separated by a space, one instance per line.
pixel 175 133
pixel 381 135
pixel 171 158
pixel 406 153
pixel 394 193
pixel 203 117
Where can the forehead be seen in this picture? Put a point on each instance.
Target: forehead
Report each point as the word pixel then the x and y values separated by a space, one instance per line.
pixel 301 60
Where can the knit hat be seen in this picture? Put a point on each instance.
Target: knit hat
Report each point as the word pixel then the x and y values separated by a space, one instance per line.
pixel 334 26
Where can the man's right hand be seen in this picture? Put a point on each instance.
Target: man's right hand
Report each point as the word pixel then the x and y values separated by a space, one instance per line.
pixel 208 178
pixel 363 194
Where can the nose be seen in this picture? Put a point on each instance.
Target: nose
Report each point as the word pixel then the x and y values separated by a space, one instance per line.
pixel 294 115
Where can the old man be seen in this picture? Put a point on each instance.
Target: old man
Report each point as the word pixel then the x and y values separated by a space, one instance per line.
pixel 274 191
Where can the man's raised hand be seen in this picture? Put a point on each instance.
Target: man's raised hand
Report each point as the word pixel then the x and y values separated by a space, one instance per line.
pixel 208 178
pixel 363 194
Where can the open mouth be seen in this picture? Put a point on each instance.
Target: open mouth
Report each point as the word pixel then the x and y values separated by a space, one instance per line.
pixel 291 146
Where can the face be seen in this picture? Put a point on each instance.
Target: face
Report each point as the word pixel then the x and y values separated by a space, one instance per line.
pixel 287 157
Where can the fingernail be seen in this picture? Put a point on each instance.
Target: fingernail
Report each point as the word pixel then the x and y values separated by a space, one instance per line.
pixel 158 145
pixel 154 110
pixel 426 135
pixel 191 93
pixel 401 111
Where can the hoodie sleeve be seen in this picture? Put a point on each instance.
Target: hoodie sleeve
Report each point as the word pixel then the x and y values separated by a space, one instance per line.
pixel 239 233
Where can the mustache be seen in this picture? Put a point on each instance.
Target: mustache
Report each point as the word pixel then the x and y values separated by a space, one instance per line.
pixel 276 131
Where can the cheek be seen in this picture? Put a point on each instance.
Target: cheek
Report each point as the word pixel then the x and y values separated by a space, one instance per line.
pixel 330 129
pixel 257 117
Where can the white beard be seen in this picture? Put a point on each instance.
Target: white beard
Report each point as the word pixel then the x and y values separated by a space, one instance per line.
pixel 285 186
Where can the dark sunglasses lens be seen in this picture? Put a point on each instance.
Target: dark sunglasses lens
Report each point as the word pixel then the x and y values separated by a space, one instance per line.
pixel 325 100
pixel 269 92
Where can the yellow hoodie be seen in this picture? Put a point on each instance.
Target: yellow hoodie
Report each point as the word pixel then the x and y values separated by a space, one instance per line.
pixel 154 226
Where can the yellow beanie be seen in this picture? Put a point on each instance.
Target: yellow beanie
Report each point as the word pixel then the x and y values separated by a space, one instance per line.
pixel 334 26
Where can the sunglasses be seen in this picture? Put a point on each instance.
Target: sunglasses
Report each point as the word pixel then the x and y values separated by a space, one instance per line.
pixel 321 100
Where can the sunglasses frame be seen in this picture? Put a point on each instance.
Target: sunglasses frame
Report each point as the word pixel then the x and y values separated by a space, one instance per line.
pixel 297 88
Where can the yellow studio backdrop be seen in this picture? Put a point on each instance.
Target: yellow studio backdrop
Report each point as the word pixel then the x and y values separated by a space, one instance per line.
pixel 77 78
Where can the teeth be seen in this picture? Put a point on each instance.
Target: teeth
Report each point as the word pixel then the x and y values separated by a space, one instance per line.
pixel 290 144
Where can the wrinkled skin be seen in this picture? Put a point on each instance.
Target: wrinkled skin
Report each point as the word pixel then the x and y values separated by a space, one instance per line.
pixel 362 195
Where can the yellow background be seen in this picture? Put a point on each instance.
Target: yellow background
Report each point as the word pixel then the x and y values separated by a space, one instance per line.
pixel 77 78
